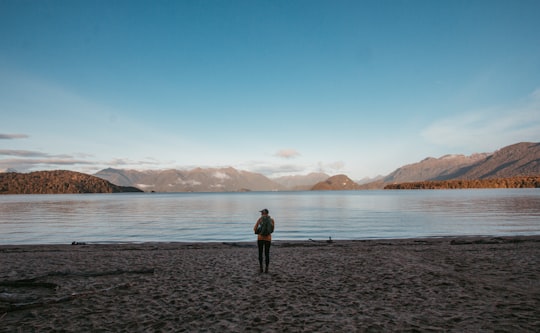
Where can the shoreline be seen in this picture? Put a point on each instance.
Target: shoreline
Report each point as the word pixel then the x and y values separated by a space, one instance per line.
pixel 465 283
pixel 276 242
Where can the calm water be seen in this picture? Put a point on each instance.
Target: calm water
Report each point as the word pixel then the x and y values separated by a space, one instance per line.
pixel 209 217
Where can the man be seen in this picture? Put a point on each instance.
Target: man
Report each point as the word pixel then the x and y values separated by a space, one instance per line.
pixel 264 228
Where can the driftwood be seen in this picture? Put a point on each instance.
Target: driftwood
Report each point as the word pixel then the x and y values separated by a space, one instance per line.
pixel 238 245
pixel 329 241
pixel 494 240
pixel 94 274
pixel 28 283
pixel 24 306
pixel 33 284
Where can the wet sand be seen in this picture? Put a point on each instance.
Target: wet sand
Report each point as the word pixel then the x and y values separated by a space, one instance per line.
pixel 469 284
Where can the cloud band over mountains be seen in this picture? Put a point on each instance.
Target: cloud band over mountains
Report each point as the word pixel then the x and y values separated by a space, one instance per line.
pixel 12 136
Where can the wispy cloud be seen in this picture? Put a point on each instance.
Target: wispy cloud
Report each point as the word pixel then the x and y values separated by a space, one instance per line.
pixel 27 160
pixel 27 164
pixel 287 153
pixel 124 162
pixel 221 175
pixel 12 136
pixel 272 170
pixel 489 129
pixel 332 167
pixel 278 170
pixel 29 153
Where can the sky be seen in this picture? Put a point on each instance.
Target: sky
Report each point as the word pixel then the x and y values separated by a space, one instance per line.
pixel 275 87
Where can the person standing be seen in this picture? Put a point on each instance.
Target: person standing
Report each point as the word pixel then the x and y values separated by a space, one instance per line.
pixel 264 228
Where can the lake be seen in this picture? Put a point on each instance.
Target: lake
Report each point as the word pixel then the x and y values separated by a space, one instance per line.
pixel 229 217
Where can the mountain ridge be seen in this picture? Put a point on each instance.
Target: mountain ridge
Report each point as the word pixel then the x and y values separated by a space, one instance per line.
pixel 517 160
pixel 301 183
pixel 520 159
pixel 194 180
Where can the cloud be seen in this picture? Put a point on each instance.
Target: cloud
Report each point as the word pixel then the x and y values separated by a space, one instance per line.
pixel 271 170
pixel 29 153
pixel 27 160
pixel 535 95
pixel 489 129
pixel 332 167
pixel 31 160
pixel 127 162
pixel 290 169
pixel 27 164
pixel 190 182
pixel 221 175
pixel 12 136
pixel 144 186
pixel 287 153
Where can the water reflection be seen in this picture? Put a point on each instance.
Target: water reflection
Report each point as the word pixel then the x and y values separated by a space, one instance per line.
pixel 299 215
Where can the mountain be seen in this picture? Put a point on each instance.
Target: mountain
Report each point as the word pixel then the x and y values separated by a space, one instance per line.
pixel 366 180
pixel 433 168
pixel 336 183
pixel 517 160
pixel 301 182
pixel 520 159
pixel 196 180
pixel 56 182
pixel 508 165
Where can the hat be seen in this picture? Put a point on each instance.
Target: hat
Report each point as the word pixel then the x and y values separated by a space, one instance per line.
pixel 265 211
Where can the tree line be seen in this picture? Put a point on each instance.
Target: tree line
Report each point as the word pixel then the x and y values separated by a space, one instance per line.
pixel 512 182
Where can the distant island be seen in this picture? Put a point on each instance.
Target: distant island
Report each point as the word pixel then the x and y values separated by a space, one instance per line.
pixel 57 182
pixel 513 182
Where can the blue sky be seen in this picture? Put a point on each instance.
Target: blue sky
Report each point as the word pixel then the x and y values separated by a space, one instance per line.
pixel 275 87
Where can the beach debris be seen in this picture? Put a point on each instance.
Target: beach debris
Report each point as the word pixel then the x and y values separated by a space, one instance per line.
pixel 13 297
pixel 10 301
pixel 94 274
pixel 329 240
pixel 486 240
pixel 22 306
pixel 238 244
pixel 28 283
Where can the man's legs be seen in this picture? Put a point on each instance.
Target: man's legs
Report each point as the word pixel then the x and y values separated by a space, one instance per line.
pixel 260 245
pixel 267 253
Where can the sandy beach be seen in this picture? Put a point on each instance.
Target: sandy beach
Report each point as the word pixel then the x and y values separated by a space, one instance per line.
pixel 423 285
